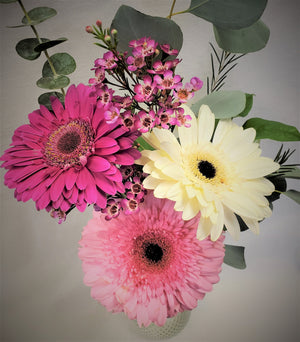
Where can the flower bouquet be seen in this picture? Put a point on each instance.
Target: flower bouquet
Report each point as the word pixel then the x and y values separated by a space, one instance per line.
pixel 167 166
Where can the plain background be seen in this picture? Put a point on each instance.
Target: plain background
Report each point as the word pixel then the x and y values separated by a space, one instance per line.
pixel 43 297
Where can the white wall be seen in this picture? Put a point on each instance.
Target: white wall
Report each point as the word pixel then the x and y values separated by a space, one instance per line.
pixel 43 297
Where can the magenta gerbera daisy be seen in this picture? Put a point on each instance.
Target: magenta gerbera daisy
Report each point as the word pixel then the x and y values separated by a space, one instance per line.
pixel 68 157
pixel 150 264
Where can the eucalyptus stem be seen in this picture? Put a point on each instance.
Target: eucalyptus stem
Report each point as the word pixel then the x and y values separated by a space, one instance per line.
pixel 171 10
pixel 40 41
pixel 187 10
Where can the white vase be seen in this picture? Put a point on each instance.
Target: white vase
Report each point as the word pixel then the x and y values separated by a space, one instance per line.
pixel 171 328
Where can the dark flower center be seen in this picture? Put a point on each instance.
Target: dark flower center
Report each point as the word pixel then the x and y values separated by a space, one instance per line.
pixel 68 142
pixel 153 252
pixel 207 169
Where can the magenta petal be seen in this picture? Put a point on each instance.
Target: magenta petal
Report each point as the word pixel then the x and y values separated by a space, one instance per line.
pixel 43 201
pixel 91 193
pixel 73 198
pixel 84 178
pixel 98 164
pixel 71 178
pixel 105 184
pixel 57 187
pixel 124 143
pixel 107 150
pixel 81 207
pixel 101 199
pixel 57 107
pixel 124 158
pixel 72 102
pixel 105 142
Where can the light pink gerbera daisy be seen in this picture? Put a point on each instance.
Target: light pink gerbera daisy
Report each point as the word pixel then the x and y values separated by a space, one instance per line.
pixel 150 264
pixel 67 157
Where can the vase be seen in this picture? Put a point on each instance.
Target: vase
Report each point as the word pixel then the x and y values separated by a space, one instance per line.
pixel 172 327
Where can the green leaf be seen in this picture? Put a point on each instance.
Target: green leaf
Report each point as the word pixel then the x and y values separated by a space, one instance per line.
pixel 294 195
pixel 274 130
pixel 224 104
pixel 26 48
pixel 53 82
pixel 229 14
pixel 234 256
pixel 290 172
pixel 143 145
pixel 7 1
pixel 38 15
pixel 280 186
pixel 245 40
pixel 49 44
pixel 44 99
pixel 132 24
pixel 249 104
pixel 63 63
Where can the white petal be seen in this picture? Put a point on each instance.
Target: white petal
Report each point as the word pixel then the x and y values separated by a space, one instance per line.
pixel 188 136
pixel 173 150
pixel 206 124
pixel 223 127
pixel 150 182
pixel 162 188
pixel 166 135
pixel 217 228
pixel 256 167
pixel 174 171
pixel 204 228
pixel 231 223
pixel 251 224
pixel 191 209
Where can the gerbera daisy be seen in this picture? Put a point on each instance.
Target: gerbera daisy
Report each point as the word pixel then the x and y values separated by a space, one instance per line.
pixel 150 264
pixel 219 173
pixel 67 157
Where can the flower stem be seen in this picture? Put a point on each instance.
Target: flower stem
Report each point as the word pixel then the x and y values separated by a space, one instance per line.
pixel 40 41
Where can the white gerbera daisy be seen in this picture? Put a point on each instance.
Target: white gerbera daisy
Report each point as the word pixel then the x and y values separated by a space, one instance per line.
pixel 218 172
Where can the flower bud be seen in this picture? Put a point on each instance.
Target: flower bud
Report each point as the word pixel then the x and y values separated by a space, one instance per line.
pixel 107 38
pixel 89 29
pixel 99 23
pixel 114 32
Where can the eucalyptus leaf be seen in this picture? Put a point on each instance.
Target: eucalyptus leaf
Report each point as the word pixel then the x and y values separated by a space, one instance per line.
pixel 63 63
pixel 249 104
pixel 294 195
pixel 234 256
pixel 143 145
pixel 44 99
pixel 7 1
pixel 26 48
pixel 38 15
pixel 53 82
pixel 224 104
pixel 49 44
pixel 274 130
pixel 229 14
pixel 132 24
pixel 245 40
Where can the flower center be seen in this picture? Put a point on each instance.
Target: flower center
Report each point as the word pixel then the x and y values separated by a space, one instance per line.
pixel 207 169
pixel 153 252
pixel 68 144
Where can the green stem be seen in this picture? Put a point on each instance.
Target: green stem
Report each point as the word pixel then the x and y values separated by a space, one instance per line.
pixel 171 11
pixel 40 41
pixel 189 9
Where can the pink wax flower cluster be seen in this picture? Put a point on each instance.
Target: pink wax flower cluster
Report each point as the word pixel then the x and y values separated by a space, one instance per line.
pixel 148 75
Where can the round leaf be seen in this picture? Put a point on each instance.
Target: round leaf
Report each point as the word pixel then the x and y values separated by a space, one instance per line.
pixel 53 82
pixel 274 130
pixel 63 63
pixel 229 14
pixel 49 44
pixel 44 99
pixel 132 24
pixel 224 104
pixel 235 256
pixel 26 48
pixel 7 1
pixel 38 15
pixel 245 40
